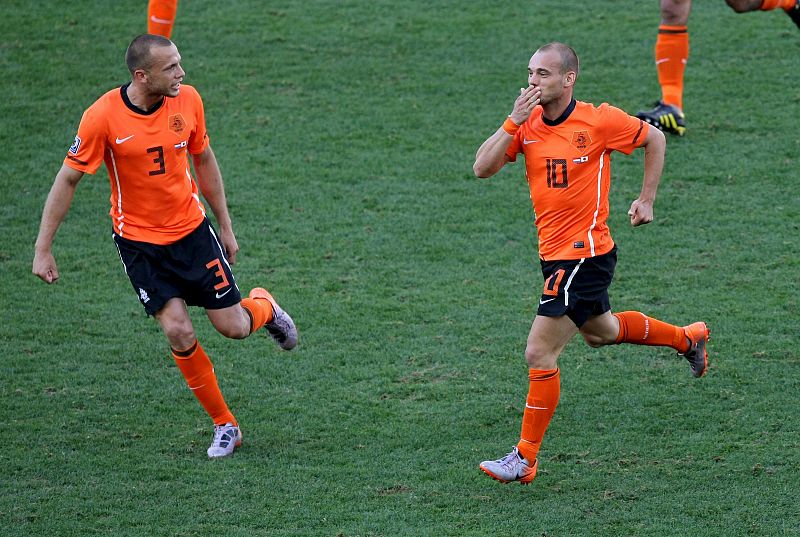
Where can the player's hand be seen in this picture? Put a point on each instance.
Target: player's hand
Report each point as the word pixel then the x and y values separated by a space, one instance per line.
pixel 229 244
pixel 641 212
pixel 44 266
pixel 528 98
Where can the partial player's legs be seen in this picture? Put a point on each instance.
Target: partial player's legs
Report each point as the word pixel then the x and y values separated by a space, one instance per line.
pixel 697 354
pixel 791 7
pixel 744 6
pixel 671 53
pixel 794 13
pixel 198 371
pixel 280 325
pixel 547 338
pixel 638 329
pixel 161 17
pixel 257 311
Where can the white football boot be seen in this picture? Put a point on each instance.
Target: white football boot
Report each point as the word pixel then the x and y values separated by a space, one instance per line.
pixel 226 438
pixel 512 467
pixel 281 327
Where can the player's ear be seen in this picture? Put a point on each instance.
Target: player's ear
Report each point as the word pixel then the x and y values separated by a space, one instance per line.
pixel 569 78
pixel 139 75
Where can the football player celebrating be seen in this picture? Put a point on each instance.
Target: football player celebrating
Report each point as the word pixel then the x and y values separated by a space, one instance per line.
pixel 567 146
pixel 145 132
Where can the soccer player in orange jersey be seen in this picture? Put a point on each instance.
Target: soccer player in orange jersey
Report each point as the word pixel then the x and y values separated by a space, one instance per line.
pixel 567 146
pixel 672 53
pixel 145 132
pixel 161 17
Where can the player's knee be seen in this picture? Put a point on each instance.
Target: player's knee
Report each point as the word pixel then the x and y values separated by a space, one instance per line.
pixel 740 6
pixel 233 328
pixel 234 331
pixel 594 340
pixel 180 336
pixel 539 359
pixel 598 340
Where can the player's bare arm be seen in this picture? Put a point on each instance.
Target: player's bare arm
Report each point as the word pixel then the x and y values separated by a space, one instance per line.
pixel 655 145
pixel 491 155
pixel 55 210
pixel 209 180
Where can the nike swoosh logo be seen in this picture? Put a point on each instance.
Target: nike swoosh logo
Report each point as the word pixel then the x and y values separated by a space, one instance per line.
pixel 225 293
pixel 545 301
pixel 123 140
pixel 535 407
pixel 526 142
pixel 160 21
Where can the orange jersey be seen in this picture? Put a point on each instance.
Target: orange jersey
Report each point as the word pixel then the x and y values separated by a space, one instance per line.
pixel 568 167
pixel 153 195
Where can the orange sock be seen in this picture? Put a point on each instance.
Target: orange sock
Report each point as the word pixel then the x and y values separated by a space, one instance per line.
pixel 768 5
pixel 161 16
pixel 672 53
pixel 543 394
pixel 260 310
pixel 200 377
pixel 639 329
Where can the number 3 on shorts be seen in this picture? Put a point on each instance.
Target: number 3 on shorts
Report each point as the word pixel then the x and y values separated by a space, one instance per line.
pixel 219 273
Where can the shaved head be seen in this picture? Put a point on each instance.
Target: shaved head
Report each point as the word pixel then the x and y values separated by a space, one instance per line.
pixel 139 55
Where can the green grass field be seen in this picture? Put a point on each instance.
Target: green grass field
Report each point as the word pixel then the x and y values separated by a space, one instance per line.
pixel 346 132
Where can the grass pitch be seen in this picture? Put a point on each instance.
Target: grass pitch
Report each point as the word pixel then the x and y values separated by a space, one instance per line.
pixel 346 132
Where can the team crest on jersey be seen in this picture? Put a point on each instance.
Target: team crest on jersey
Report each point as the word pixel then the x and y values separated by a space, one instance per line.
pixel 75 145
pixel 177 123
pixel 581 139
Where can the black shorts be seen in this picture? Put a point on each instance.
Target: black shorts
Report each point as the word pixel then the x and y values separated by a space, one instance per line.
pixel 194 269
pixel 577 288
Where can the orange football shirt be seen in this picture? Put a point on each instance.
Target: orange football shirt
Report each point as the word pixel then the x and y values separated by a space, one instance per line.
pixel 154 197
pixel 568 168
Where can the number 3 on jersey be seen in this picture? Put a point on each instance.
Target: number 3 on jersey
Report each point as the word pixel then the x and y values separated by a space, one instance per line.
pixel 158 160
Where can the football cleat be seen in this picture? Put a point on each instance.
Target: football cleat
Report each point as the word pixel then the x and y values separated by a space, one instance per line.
pixel 794 13
pixel 512 467
pixel 697 355
pixel 665 117
pixel 226 438
pixel 281 327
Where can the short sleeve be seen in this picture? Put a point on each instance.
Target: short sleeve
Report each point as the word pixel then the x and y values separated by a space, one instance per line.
pixel 86 152
pixel 624 133
pixel 198 139
pixel 515 147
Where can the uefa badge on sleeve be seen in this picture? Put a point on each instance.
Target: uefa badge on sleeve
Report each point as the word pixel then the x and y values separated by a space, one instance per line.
pixel 75 145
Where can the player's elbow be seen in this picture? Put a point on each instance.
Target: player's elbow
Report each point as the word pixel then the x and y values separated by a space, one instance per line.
pixel 479 172
pixel 482 171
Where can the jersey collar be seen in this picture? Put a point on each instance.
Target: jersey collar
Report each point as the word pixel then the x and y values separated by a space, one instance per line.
pixel 562 118
pixel 133 108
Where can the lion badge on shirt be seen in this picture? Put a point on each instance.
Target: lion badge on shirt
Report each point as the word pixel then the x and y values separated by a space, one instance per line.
pixel 581 139
pixel 176 123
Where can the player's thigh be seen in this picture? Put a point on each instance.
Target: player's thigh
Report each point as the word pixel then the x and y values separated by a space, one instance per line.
pixel 599 330
pixel 546 340
pixel 232 322
pixel 675 12
pixel 176 324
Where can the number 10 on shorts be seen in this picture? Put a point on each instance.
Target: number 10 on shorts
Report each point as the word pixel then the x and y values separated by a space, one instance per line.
pixel 552 283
